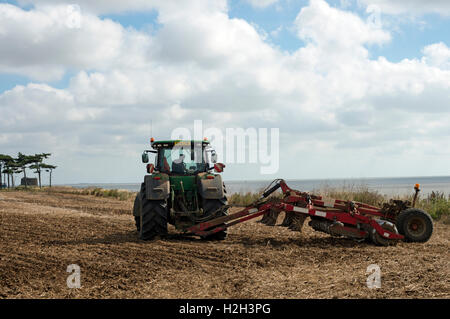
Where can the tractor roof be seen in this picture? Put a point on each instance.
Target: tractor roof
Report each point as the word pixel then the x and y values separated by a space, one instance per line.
pixel 172 143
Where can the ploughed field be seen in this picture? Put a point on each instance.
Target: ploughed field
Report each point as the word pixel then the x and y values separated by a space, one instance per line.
pixel 41 233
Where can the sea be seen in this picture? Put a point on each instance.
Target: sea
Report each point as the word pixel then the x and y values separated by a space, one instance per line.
pixel 390 186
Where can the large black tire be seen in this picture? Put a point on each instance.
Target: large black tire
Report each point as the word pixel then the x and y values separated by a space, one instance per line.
pixel 399 222
pixel 209 207
pixel 415 224
pixel 153 219
pixel 136 211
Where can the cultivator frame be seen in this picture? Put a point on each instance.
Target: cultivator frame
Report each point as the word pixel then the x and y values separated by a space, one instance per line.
pixel 336 217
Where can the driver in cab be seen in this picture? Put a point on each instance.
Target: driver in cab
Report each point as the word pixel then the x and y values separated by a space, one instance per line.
pixel 178 165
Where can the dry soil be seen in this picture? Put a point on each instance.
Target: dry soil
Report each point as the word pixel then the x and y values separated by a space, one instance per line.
pixel 41 233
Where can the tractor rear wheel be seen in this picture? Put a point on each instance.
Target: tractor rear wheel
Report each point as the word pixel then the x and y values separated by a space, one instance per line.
pixel 415 224
pixel 137 221
pixel 209 207
pixel 136 211
pixel 153 219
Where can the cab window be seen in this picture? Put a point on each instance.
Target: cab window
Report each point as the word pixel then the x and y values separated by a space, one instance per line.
pixel 179 161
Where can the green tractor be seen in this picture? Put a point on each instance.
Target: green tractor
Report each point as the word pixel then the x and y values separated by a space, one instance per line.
pixel 180 189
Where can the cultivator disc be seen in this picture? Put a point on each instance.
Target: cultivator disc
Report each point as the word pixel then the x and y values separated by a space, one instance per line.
pixel 297 223
pixel 270 219
pixel 288 219
pixel 291 220
pixel 379 240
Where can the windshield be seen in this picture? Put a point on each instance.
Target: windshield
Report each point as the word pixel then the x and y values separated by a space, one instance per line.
pixel 182 160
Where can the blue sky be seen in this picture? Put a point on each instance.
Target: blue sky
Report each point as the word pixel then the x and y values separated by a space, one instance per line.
pixel 146 20
pixel 335 85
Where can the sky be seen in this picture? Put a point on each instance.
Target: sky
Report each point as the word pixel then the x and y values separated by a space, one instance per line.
pixel 356 88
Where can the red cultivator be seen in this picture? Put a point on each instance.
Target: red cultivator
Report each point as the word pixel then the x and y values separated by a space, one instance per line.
pixel 396 220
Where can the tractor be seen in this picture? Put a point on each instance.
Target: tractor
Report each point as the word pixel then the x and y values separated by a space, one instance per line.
pixel 181 188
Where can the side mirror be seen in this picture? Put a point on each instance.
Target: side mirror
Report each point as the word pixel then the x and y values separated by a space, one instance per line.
pixel 150 168
pixel 144 157
pixel 218 167
pixel 214 157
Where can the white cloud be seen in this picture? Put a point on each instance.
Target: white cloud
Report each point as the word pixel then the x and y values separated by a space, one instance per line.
pixel 120 6
pixel 437 55
pixel 332 28
pixel 415 7
pixel 39 43
pixel 99 6
pixel 261 3
pixel 328 97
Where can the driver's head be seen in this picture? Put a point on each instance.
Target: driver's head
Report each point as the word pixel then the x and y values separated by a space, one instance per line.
pixel 181 157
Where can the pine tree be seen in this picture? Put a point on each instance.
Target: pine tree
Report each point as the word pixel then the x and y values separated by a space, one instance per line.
pixel 48 168
pixel 23 161
pixel 3 160
pixel 37 164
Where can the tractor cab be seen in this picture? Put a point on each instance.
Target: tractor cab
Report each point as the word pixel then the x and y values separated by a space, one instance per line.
pixel 182 158
pixel 181 188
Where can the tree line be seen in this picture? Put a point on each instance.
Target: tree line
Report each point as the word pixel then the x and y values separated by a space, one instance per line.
pixel 17 165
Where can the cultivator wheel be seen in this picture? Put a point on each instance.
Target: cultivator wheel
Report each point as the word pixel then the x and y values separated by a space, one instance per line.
pixel 415 224
pixel 379 240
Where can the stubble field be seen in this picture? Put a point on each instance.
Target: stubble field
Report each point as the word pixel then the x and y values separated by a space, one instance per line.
pixel 41 233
